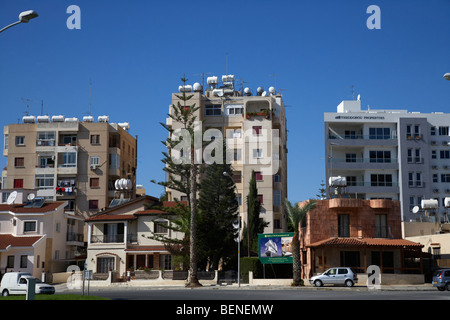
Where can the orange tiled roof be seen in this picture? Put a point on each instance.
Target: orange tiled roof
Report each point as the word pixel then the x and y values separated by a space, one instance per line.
pixel 364 242
pixel 8 240
pixel 20 208
pixel 104 217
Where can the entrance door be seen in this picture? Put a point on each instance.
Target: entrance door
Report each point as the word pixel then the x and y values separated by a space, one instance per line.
pixel 105 264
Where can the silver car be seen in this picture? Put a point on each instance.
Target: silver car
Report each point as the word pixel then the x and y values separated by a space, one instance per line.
pixel 337 276
pixel 441 279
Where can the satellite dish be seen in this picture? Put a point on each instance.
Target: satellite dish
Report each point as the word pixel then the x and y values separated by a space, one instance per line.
pixel 264 94
pixel 31 196
pixel 12 197
pixel 359 97
pixel 415 209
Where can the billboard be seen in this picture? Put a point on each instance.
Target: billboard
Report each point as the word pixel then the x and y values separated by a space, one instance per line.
pixel 275 247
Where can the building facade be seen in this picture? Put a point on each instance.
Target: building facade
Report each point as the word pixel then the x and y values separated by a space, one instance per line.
pixel 69 160
pixel 390 154
pixel 357 233
pixel 38 236
pixel 254 128
pixel 120 237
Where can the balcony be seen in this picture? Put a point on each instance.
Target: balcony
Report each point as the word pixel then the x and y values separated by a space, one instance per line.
pixel 113 238
pixel 365 231
pixel 73 238
pixel 364 163
pixel 362 140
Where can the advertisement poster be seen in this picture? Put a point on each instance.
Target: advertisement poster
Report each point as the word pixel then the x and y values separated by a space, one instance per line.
pixel 275 247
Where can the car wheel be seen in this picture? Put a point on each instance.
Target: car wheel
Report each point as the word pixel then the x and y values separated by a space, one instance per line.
pixel 318 283
pixel 447 286
pixel 441 288
pixel 349 283
pixel 5 293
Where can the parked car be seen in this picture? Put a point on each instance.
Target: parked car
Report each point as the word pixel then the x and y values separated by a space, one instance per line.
pixel 441 279
pixel 16 283
pixel 336 276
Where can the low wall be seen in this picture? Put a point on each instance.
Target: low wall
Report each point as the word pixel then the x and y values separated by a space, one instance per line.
pixel 395 279
pixel 267 282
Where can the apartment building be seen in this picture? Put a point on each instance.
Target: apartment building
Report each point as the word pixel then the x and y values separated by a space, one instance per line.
pixel 254 128
pixel 390 154
pixel 69 160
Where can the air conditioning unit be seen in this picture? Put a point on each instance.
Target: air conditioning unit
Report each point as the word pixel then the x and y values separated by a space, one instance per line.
pixel 93 166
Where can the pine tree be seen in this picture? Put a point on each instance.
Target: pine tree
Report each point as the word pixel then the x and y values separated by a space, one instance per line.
pixel 255 224
pixel 218 207
pixel 183 176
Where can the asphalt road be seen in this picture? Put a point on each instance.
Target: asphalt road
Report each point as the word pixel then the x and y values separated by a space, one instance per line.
pixel 263 294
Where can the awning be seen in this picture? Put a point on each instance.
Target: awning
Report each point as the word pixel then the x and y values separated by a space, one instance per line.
pixel 365 242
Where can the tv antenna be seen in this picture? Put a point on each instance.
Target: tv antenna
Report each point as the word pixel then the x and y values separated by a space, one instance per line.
pixel 27 101
pixel 203 77
pixel 90 95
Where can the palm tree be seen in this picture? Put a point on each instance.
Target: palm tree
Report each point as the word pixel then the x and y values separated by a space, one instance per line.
pixel 296 215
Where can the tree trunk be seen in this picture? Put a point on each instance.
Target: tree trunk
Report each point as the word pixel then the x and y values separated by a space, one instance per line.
pixel 296 264
pixel 193 278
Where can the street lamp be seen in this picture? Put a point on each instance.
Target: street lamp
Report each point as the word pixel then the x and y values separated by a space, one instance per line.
pixel 237 225
pixel 447 76
pixel 24 17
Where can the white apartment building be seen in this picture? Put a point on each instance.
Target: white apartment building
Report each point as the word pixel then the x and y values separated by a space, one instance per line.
pixel 391 154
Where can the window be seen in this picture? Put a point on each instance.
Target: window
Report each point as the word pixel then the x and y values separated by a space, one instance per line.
pixel 213 110
pixel 10 262
pixel 350 134
pixel 44 181
pixel 18 183
pixel 5 196
pixel 433 131
pixel 445 177
pixel 257 153
pixel 343 225
pixel 445 154
pixel 114 161
pixel 379 133
pixel 350 157
pixel 19 162
pixel 237 154
pixel 93 204
pixel 160 227
pixel 380 156
pixel 94 160
pixel 165 261
pixel 258 176
pixel 414 179
pixel 435 177
pixel 351 180
pixel 20 141
pixel 443 131
pixel 95 139
pixel 276 178
pixel 257 130
pixel 234 133
pixel 277 197
pixel 23 261
pixel 29 226
pixel 94 182
pixel 381 180
pixel 6 142
pixel 236 177
pixel 381 226
pixel 234 109
pixel 67 159
pixel 261 198
pixel 433 154
pixel 45 139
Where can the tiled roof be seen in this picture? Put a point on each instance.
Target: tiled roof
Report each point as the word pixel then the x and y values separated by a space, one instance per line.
pixel 364 242
pixel 8 240
pixel 20 208
pixel 150 211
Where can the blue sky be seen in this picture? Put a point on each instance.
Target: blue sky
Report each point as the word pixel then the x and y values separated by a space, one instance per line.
pixel 136 51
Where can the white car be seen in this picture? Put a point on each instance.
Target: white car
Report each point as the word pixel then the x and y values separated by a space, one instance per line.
pixel 16 283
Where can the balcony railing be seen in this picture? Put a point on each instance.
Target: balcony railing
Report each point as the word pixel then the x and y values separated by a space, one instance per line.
pixel 113 238
pixel 369 231
pixel 77 237
pixel 362 137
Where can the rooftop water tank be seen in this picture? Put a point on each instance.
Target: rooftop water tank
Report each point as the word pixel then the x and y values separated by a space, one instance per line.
pixel 124 125
pixel 71 119
pixel 429 204
pixel 59 118
pixel 185 88
pixel 43 119
pixel 272 90
pixel 247 91
pixel 260 90
pixel 338 181
pixel 103 119
pixel 198 87
pixel 29 119
pixel 88 119
pixel 212 81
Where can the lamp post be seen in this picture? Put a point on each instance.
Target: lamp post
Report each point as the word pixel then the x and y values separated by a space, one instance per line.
pixel 237 226
pixel 24 17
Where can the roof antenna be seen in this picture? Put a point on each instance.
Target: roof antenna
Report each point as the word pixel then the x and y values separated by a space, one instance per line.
pixel 90 95
pixel 226 64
